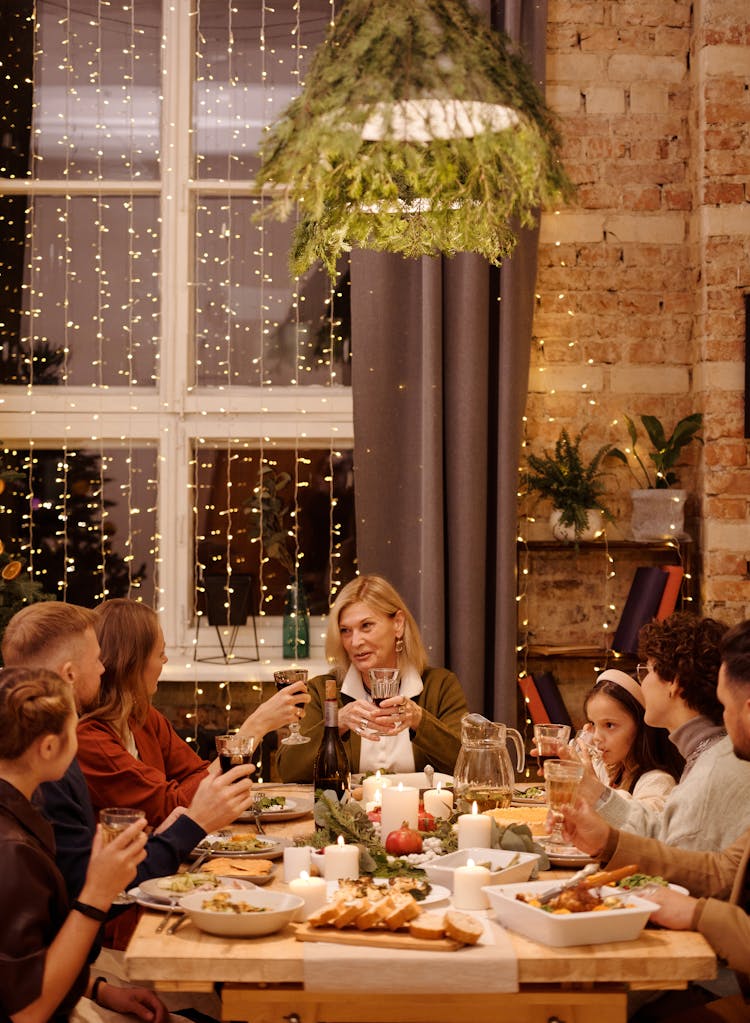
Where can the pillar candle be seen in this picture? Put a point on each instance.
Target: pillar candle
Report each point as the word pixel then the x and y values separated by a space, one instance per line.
pixel 341 860
pixel 370 784
pixel 296 859
pixel 400 803
pixel 312 890
pixel 474 830
pixel 438 802
pixel 467 886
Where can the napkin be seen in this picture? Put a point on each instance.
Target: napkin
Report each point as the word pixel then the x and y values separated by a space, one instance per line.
pixel 490 965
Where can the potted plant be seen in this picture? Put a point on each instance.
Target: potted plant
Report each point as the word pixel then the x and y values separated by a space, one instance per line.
pixel 574 486
pixel 658 507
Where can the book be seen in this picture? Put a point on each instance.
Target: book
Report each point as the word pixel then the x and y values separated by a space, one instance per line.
pixel 551 698
pixel 533 700
pixel 668 603
pixel 641 606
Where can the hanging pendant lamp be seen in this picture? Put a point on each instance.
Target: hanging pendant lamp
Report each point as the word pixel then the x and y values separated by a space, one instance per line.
pixel 418 130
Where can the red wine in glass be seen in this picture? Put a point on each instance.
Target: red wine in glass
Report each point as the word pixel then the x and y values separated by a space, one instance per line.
pixel 284 678
pixel 230 760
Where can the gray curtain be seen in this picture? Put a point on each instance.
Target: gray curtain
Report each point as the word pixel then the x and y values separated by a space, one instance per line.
pixel 440 373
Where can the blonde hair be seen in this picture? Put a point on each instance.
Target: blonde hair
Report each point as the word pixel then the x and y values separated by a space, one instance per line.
pixel 127 632
pixel 43 634
pixel 379 595
pixel 33 702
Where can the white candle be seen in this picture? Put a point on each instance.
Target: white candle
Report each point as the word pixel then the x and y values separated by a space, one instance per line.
pixel 400 803
pixel 296 859
pixel 371 784
pixel 474 830
pixel 312 890
pixel 341 860
pixel 438 802
pixel 467 886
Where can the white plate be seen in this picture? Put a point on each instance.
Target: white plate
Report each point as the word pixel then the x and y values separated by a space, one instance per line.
pixel 523 800
pixel 564 929
pixel 291 810
pixel 442 868
pixel 566 855
pixel 271 850
pixel 149 903
pixel 437 892
pixel 152 888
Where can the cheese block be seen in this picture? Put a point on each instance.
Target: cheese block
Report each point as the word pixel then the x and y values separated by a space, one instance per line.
pixel 534 816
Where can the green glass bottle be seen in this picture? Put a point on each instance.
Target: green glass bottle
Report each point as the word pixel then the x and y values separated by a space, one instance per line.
pixel 296 628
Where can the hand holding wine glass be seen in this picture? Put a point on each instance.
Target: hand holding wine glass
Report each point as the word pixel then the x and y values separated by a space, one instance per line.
pixel 288 677
pixel 561 778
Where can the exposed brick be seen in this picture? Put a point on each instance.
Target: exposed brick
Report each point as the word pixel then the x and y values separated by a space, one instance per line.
pixel 649 98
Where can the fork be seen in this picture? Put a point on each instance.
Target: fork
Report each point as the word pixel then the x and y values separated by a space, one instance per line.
pixel 256 810
pixel 173 906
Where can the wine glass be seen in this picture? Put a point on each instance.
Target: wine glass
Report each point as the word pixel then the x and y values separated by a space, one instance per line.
pixel 547 739
pixel 384 683
pixel 287 677
pixel 234 749
pixel 561 778
pixel 113 820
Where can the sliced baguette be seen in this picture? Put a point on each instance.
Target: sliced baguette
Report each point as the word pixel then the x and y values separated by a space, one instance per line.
pixel 349 911
pixel 428 925
pixel 462 927
pixel 375 912
pixel 324 916
pixel 406 908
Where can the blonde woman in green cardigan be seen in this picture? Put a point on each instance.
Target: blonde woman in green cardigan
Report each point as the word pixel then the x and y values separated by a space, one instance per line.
pixel 370 626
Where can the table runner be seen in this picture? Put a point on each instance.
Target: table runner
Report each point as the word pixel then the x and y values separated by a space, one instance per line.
pixel 490 965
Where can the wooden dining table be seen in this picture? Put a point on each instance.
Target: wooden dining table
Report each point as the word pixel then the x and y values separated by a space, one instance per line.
pixel 263 979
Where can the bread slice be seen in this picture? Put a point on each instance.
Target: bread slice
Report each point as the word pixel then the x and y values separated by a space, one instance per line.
pixel 428 925
pixel 405 909
pixel 375 912
pixel 325 915
pixel 462 927
pixel 349 911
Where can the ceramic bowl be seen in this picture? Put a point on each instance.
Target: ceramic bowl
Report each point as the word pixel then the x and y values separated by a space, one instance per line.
pixel 441 869
pixel 275 910
pixel 563 929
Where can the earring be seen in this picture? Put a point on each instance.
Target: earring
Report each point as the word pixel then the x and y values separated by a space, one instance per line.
pixel 399 645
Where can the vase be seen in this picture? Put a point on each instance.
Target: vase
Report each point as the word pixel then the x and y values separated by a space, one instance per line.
pixel 296 626
pixel 658 514
pixel 561 531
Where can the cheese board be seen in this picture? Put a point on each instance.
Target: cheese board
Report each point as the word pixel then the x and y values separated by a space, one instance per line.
pixel 375 939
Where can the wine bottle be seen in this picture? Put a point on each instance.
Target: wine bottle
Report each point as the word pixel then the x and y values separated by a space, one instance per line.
pixel 331 769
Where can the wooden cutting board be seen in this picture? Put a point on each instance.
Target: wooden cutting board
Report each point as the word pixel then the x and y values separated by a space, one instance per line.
pixel 375 939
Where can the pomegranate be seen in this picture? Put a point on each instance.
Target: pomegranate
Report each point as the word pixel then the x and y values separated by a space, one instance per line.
pixel 425 821
pixel 404 841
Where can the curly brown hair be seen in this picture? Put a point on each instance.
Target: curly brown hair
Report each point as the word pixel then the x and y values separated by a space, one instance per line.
pixel 685 649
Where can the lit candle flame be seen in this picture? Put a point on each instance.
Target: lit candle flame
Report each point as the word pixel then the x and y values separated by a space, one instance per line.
pixel 304 876
pixel 340 839
pixel 469 863
pixel 474 808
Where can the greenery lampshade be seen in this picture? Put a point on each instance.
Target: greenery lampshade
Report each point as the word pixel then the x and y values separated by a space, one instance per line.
pixel 418 130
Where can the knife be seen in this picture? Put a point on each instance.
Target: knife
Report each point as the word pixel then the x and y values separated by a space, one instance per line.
pixel 550 893
pixel 591 877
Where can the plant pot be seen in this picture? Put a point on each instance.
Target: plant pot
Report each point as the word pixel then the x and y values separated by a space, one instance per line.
pixel 658 514
pixel 228 608
pixel 595 525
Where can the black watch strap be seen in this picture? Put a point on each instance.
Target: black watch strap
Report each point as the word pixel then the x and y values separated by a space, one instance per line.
pixel 100 915
pixel 95 989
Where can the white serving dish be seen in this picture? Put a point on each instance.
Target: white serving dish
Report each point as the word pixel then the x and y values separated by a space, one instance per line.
pixel 281 908
pixel 564 929
pixel 418 780
pixel 441 870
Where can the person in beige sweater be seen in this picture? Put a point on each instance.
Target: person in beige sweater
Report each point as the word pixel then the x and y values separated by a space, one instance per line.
pixel 719 882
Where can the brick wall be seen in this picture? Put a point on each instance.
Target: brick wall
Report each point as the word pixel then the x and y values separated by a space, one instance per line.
pixel 642 278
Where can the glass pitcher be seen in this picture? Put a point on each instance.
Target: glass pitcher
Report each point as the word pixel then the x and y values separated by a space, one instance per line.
pixel 483 772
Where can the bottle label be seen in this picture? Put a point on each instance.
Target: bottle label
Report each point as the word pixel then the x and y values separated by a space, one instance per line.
pixel 331 714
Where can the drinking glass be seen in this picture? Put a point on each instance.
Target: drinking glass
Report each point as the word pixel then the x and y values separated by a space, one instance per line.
pixel 288 677
pixel 234 749
pixel 547 738
pixel 384 683
pixel 113 820
pixel 561 778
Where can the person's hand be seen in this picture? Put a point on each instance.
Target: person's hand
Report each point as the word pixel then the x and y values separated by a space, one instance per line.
pixel 112 865
pixel 397 714
pixel 583 828
pixel 136 1001
pixel 277 711
pixel 676 909
pixel 360 716
pixel 221 798
pixel 169 821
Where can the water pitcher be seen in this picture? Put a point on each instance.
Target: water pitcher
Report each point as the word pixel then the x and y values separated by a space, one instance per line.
pixel 484 773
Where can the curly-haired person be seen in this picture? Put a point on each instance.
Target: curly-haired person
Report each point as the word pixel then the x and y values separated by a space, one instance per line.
pixel 708 808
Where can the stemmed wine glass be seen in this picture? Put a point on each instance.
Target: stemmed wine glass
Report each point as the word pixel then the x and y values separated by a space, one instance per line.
pixel 287 677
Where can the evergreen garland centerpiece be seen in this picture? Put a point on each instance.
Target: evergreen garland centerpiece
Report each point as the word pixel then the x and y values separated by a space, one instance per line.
pixel 419 130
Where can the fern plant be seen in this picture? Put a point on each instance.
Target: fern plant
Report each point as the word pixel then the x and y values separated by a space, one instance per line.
pixel 570 482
